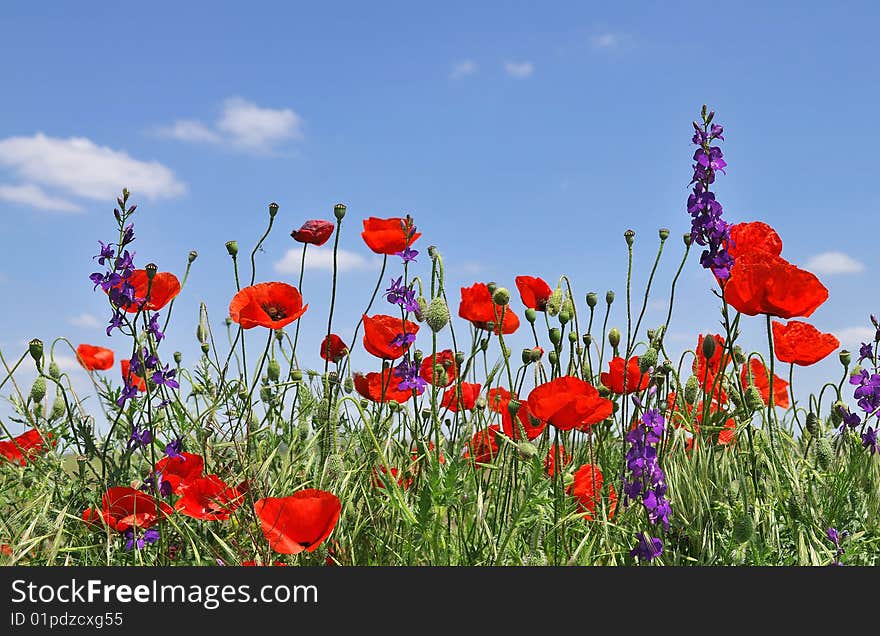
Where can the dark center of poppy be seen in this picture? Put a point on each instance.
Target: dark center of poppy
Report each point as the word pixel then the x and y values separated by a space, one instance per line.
pixel 274 312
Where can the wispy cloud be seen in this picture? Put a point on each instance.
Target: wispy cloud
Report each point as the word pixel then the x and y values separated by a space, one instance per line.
pixel 463 69
pixel 85 320
pixel 834 263
pixel 606 40
pixel 242 125
pixel 35 197
pixel 78 167
pixel 520 70
pixel 852 337
pixel 321 258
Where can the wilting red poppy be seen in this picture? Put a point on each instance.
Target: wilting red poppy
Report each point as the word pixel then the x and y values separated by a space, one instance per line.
pixel 587 489
pixel 123 507
pixel 388 236
pixel 568 403
pixel 635 380
pixel 333 349
pixel 28 444
pixel 94 358
pixel 550 460
pixel 381 387
pixel 139 383
pixel 499 401
pixel 534 292
pixel 462 396
pixel 761 379
pixel 761 283
pixel 314 232
pixel 299 522
pixel 181 471
pixel 403 481
pixel 477 307
pixel 384 336
pixel 445 359
pixel 753 236
pixel 801 343
pixel 210 499
pixel 483 446
pixel 270 305
pixel 163 289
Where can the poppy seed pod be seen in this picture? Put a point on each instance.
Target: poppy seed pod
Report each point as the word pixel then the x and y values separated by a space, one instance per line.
pixel 193 255
pixel 753 398
pixel 54 370
pixel 531 315
pixel 273 370
pixel 296 375
pixel 178 357
pixel 648 360
pixel 555 335
pixel 587 338
pixel 592 299
pixel 664 233
pixel 437 314
pixel 348 385
pixel 572 337
pixel 38 389
pixel 526 356
pixel 339 211
pixel 279 335
pixel 418 354
pixel 273 210
pixel 501 296
pixel 686 237
pixel 564 317
pixel 151 269
pixel 492 286
pixel 536 354
pixel 614 337
pixel 845 358
pixel 609 297
pixel 232 248
pixel 35 348
pixel 459 357
pixel 667 367
pixel 205 347
pixel 813 424
pixel 484 344
pixel 709 347
pixel 629 236
pixel 553 357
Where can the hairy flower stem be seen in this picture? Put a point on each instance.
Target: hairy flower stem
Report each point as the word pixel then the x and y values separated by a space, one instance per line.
pixel 329 436
pixel 302 269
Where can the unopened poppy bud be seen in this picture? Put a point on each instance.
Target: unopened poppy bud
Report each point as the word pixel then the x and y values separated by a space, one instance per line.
pixel 686 237
pixel 554 303
pixel 205 347
pixel 753 398
pixel 296 375
pixel 837 411
pixel 273 210
pixel 38 389
pixel 364 404
pixel 527 450
pixel 459 357
pixel 484 344
pixel 592 299
pixel 151 269
pixel 437 314
pixel 54 370
pixel 178 357
pixel 690 390
pixel 609 297
pixel 572 337
pixel 58 408
pixel 709 346
pixel 432 252
pixel 555 335
pixel 824 453
pixel 348 385
pixel 339 211
pixel 813 424
pixel 273 370
pixel 35 348
pixel 587 338
pixel 845 358
pixel 614 337
pixel 501 296
pixel 648 360
pixel 394 405
pixel 418 354
pixel 736 399
pixel 513 407
pixel 531 315
pixel 738 356
pixel 664 233
pixel 743 529
pixel 193 255
pixel 492 286
pixel 421 309
pixel 232 248
pixel 564 317
pixel 553 357
pixel 266 393
pixel 629 236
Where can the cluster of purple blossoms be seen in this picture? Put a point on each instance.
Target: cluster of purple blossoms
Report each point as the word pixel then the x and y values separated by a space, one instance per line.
pixel 174 449
pixel 867 394
pixel 114 280
pixel 403 339
pixel 402 296
pixel 139 437
pixel 164 488
pixel 835 537
pixel 410 380
pixel 707 227
pixel 647 548
pixel 645 479
pixel 140 541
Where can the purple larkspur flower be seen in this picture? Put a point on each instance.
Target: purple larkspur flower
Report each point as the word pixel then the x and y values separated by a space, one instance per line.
pixel 165 377
pixel 153 328
pixel 408 255
pixel 410 380
pixel 647 549
pixel 645 479
pixel 174 449
pixel 835 537
pixel 140 540
pixel 866 351
pixel 128 233
pixel 129 392
pixel 401 295
pixel 115 321
pixel 107 253
pixel 869 439
pixel 403 339
pixel 868 390
pixel 139 437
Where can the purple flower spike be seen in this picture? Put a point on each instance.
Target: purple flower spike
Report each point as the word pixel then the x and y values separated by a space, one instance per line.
pixel 647 548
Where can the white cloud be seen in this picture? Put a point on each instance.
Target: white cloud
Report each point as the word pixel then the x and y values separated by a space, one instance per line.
pixel 77 166
pixel 463 69
pixel 605 40
pixel 321 258
pixel 189 130
pixel 852 337
pixel 834 263
pixel 86 320
pixel 520 70
pixel 66 363
pixel 35 197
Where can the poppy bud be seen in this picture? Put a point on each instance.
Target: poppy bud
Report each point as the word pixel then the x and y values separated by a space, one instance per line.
pixel 743 529
pixel 592 299
pixel 177 357
pixel 58 408
pixel 554 303
pixel 629 236
pixel 348 385
pixel 265 393
pixel 279 335
pixel 418 354
pixel 664 233
pixel 193 255
pixel 339 211
pixel 484 344
pixel 572 337
pixel 527 449
pixel 587 339
pixel 459 357
pixel 205 347
pixel 648 360
pixel 666 367
pixel 824 453
pixel 738 356
pixel 845 357
pixel 273 370
pixel 735 398
pixel 151 269
pixel 555 335
pixel 564 317
pixel 393 405
pixel 432 252
pixel 38 389
pixel 552 357
pixel 35 347
pixel 813 424
pixel 437 314
pixel 753 398
pixel 690 390
pixel 54 370
pixel 232 248
pixel 795 510
pixel 531 314
pixel 686 237
pixel 501 296
pixel 421 309
pixel 492 286
pixel 837 411
pixel 273 210
pixel 334 466
pixel 480 403
pixel 609 297
pixel 651 334
pixel 296 375
pixel 614 337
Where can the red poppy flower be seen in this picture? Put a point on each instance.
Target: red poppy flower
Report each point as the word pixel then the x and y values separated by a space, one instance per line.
pixel 314 232
pixel 587 489
pixel 761 283
pixel 127 376
pixel 483 446
pixel 761 379
pixel 445 359
pixel 534 292
pixel 754 236
pixel 210 499
pixel 550 460
pixel 403 481
pixel 255 564
pixel 270 305
pixel 91 517
pixel 28 444
pixel 388 236
pixel 431 447
pixel 163 289
pixel 123 507
pixel 706 371
pixel 93 358
pixel 463 396
pixel 384 336
pixel 381 387
pixel 499 401
pixel 568 403
pixel 635 380
pixel 333 349
pixel 477 307
pixel 801 343
pixel 181 471
pixel 6 549
pixel 299 522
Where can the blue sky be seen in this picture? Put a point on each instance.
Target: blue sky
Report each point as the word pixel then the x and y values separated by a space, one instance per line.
pixel 524 138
